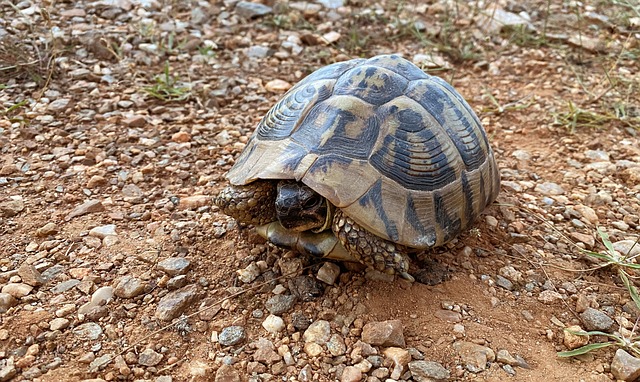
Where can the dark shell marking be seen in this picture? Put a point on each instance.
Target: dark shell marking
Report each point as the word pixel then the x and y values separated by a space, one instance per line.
pixel 399 151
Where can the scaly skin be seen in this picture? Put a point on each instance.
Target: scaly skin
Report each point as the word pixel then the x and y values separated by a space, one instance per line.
pixel 253 203
pixel 370 249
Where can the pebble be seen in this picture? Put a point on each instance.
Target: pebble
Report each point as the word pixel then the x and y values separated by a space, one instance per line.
pixel 448 315
pixel 194 202
pixel 280 304
pixel 588 240
pixel 351 374
pixel 549 189
pixel 503 356
pixel 149 357
pixel 59 105
pixel 625 367
pixel 174 266
pixel 475 357
pixel 504 283
pixel 428 371
pixel 250 10
pixel 312 349
pixel 265 352
pixel 306 288
pixel 7 370
pixel 47 229
pixel 88 207
pixel 277 86
pixel 574 341
pixel 128 287
pixel 88 331
pixel 100 297
pixel 549 297
pixel 135 121
pixel 384 333
pixel 30 275
pixel 102 231
pixel 7 301
pixel 318 332
pixel 627 247
pixel 175 302
pixel 336 345
pixel 17 290
pixel 59 324
pixel 227 373
pixel 273 324
pixel 328 273
pixel 248 274
pixel 231 335
pixel 594 319
pixel 12 207
pixel 400 358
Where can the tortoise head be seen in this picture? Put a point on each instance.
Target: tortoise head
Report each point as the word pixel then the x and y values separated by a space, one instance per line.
pixel 299 208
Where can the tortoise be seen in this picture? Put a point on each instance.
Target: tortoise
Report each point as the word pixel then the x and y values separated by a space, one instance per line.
pixel 365 160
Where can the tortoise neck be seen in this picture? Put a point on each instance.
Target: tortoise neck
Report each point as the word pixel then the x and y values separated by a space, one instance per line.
pixel 328 219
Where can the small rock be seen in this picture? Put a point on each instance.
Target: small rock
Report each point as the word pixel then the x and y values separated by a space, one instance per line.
pixel 250 10
pixel 59 324
pixel 88 207
pixel 280 304
pixel 474 356
pixel 625 366
pixel 128 287
pixel 7 301
pixel 384 333
pixel 265 352
pixel 574 341
pixel 12 207
pixel 312 349
pixel 174 266
pixel 96 181
pixel 135 121
pixel 331 37
pixel 7 370
pixel 248 274
pixel 627 247
pixel 30 275
pixel 59 105
pixel 328 273
pixel 594 319
pixel 149 357
pixel 88 331
pixel 549 297
pixel 103 231
pixel 47 229
pixel 277 86
pixel 588 240
pixel 549 188
pixel 231 335
pixel 227 373
pixel 194 202
pixel 351 374
pixel 306 288
pixel 17 290
pixel 181 137
pixel 336 345
pixel 273 324
pixel 176 302
pixel 400 358
pixel 428 371
pixel 448 315
pixel 318 332
pixel 504 283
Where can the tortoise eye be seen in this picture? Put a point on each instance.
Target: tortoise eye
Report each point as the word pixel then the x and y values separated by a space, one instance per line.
pixel 312 201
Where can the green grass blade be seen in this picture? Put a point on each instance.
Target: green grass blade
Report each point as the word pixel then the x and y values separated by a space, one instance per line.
pixel 584 349
pixel 605 240
pixel 633 291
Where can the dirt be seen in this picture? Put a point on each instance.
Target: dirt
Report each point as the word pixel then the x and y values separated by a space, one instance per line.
pixel 559 101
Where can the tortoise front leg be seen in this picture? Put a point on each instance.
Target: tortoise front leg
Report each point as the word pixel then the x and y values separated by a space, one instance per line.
pixel 253 203
pixel 370 249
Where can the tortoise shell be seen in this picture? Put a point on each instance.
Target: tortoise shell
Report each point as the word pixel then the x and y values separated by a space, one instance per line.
pixel 399 151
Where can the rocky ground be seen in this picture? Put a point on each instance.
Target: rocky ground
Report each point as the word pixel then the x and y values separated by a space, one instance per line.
pixel 120 118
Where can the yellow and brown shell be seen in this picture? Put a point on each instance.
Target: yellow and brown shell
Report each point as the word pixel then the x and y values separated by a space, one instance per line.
pixel 399 151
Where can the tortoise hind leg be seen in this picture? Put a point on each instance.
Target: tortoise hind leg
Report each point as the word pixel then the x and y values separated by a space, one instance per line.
pixel 370 249
pixel 253 203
